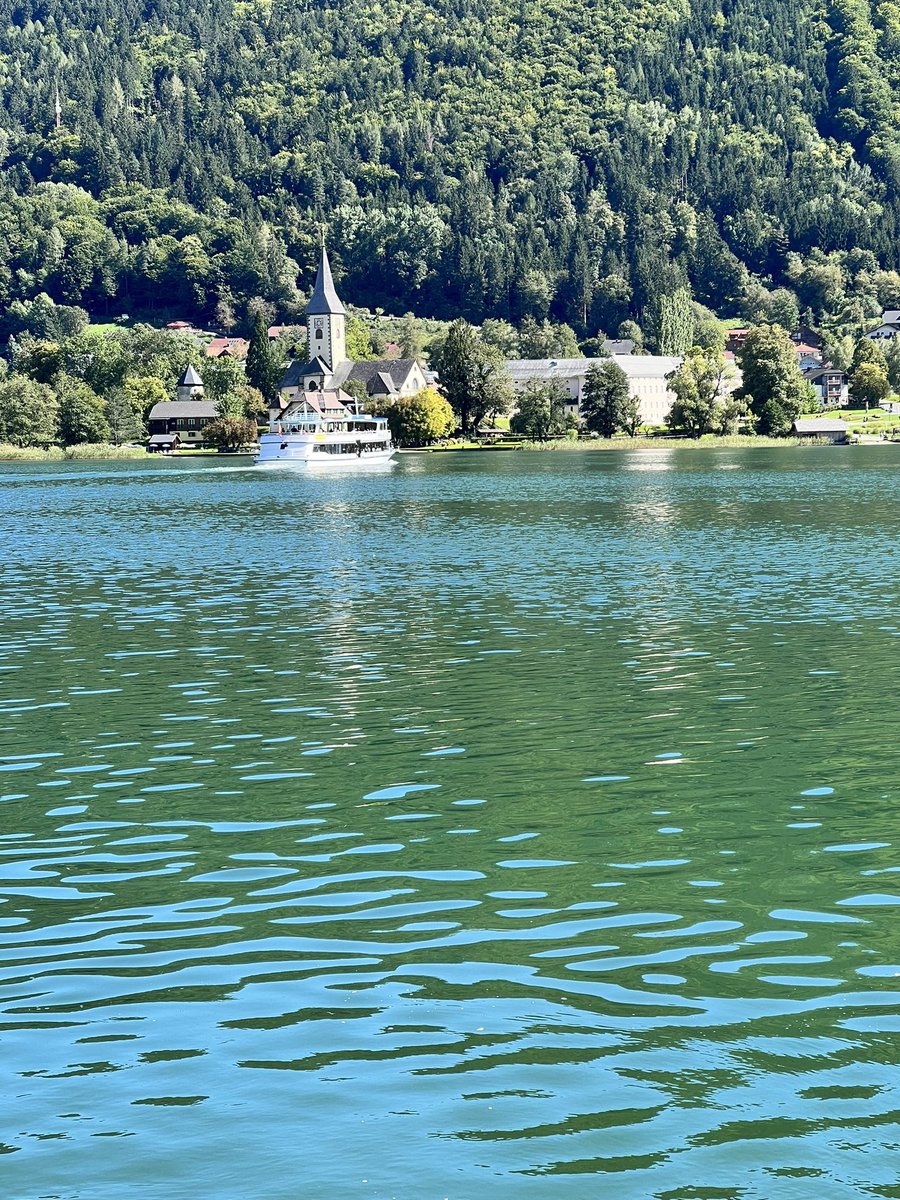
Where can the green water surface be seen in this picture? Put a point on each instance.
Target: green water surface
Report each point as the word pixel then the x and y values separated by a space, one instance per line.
pixel 489 826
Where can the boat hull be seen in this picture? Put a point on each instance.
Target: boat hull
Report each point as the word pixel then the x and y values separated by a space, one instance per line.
pixel 303 452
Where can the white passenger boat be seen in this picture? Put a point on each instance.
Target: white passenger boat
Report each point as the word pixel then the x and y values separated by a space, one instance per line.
pixel 324 429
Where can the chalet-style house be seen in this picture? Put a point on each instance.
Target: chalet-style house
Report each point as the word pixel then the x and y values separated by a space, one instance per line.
pixel 804 336
pixel 180 423
pixel 328 368
pixel 832 386
pixel 889 327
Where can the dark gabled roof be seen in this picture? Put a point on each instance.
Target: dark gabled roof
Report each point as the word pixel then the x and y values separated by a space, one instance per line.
pixel 324 300
pixel 297 371
pixel 382 377
pixel 182 408
pixel 382 383
pixel 190 378
pixel 812 373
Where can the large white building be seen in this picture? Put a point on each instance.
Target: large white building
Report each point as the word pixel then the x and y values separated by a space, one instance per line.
pixel 327 367
pixel 647 378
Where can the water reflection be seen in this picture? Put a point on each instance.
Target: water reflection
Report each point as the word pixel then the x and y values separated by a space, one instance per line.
pixel 494 823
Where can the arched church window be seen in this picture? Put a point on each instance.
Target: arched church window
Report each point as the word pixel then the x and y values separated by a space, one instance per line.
pixel 318 333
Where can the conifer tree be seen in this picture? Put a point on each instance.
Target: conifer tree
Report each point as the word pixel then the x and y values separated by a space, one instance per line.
pixel 263 366
pixel 676 323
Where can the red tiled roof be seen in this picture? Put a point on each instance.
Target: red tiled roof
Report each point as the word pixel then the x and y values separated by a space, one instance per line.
pixel 236 347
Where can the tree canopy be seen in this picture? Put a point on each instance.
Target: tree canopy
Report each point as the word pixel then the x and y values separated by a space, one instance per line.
pixel 772 386
pixel 607 406
pixel 579 161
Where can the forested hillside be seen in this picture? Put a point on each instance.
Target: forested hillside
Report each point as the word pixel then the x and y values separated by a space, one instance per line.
pixel 575 158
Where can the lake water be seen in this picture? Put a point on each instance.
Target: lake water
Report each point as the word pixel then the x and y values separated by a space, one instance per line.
pixel 513 825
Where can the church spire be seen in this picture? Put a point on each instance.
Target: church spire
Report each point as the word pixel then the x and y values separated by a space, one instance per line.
pixel 326 319
pixel 324 300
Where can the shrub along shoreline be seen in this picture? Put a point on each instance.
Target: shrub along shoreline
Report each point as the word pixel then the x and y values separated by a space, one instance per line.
pixel 709 441
pixel 89 451
pixel 83 451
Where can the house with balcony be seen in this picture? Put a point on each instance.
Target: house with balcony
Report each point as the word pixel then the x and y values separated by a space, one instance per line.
pixel 832 386
pixel 888 328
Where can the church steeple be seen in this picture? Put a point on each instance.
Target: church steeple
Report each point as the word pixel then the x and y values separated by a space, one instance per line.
pixel 325 318
pixel 324 300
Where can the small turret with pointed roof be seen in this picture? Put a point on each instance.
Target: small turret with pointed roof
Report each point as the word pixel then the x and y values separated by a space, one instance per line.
pixel 190 385
pixel 326 318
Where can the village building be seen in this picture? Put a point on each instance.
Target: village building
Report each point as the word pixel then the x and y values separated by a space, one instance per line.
pixel 648 379
pixel 618 345
pixel 821 429
pixel 231 347
pixel 180 423
pixel 807 356
pixel 328 368
pixel 832 386
pixel 888 328
pixel 804 336
pixel 735 338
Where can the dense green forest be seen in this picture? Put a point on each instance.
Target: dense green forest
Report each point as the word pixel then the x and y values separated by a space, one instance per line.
pixel 576 159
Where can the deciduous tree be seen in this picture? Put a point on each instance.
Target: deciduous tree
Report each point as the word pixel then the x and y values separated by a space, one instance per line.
pixel 472 376
pixel 143 391
pixel 230 433
pixel 773 385
pixel 541 410
pixel 29 412
pixel 869 383
pixel 82 413
pixel 420 419
pixel 675 323
pixel 700 405
pixel 124 423
pixel 606 404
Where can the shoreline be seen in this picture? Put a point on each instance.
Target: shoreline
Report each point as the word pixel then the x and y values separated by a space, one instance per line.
pixel 101 453
pixel 707 442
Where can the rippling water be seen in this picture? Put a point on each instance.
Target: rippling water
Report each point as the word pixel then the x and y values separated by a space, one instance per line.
pixel 495 826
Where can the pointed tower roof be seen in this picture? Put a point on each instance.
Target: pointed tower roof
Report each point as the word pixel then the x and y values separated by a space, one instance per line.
pixel 190 378
pixel 324 300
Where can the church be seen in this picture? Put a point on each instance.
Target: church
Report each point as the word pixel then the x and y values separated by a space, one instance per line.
pixel 328 369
